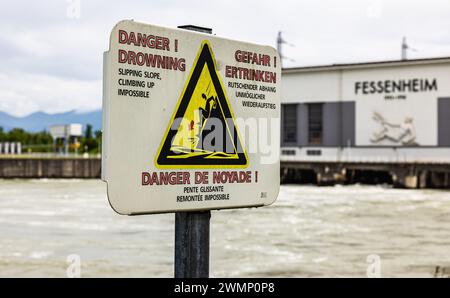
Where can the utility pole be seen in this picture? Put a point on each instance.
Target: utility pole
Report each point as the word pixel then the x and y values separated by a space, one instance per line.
pixel 280 42
pixel 405 49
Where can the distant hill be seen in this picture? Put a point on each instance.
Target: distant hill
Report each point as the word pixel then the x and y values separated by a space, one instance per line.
pixel 41 121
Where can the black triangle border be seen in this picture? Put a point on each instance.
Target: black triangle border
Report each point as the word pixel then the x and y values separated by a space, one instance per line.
pixel 205 57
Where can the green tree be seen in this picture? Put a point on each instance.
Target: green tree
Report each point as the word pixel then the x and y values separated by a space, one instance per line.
pixel 98 138
pixel 89 143
pixel 43 142
pixel 88 131
pixel 2 135
pixel 18 135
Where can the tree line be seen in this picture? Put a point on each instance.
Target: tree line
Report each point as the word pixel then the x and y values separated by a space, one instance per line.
pixel 42 141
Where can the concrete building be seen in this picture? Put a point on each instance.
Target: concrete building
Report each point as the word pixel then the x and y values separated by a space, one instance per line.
pixel 65 132
pixel 10 148
pixel 391 117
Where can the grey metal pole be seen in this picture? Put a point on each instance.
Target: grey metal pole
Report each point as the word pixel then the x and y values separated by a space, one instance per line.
pixel 192 231
pixel 192 244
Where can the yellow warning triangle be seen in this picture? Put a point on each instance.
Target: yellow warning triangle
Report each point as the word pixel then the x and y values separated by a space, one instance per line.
pixel 202 132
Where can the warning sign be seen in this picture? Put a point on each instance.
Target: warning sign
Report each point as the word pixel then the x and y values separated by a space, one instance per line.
pixel 205 134
pixel 191 121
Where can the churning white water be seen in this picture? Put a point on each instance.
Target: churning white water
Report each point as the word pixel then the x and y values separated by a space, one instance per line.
pixel 310 231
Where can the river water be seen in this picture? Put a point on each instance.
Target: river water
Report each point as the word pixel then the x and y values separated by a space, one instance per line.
pixel 309 232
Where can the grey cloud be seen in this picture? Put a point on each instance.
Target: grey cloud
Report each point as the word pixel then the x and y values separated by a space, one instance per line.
pixel 39 41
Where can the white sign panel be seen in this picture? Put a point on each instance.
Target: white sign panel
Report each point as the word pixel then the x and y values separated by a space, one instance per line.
pixel 191 121
pixel 395 107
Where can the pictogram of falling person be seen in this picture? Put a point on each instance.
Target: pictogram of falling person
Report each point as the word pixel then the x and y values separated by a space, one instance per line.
pixel 192 130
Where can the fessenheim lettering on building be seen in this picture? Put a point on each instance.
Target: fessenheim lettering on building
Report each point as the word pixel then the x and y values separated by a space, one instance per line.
pixel 191 121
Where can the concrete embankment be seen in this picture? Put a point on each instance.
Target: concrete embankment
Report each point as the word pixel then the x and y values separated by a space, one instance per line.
pixel 402 175
pixel 58 167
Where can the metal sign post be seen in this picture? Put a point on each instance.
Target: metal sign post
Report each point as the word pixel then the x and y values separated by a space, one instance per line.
pixel 192 231
pixel 192 244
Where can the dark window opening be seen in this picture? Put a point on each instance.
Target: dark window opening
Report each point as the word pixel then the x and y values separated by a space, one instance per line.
pixel 290 123
pixel 315 123
pixel 314 152
pixel 287 152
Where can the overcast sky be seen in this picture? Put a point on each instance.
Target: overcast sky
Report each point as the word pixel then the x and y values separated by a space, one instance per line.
pixel 51 50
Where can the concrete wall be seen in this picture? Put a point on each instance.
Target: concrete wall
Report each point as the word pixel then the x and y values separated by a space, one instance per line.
pixel 50 168
pixel 315 87
pixel 338 84
pixel 332 123
pixel 444 122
